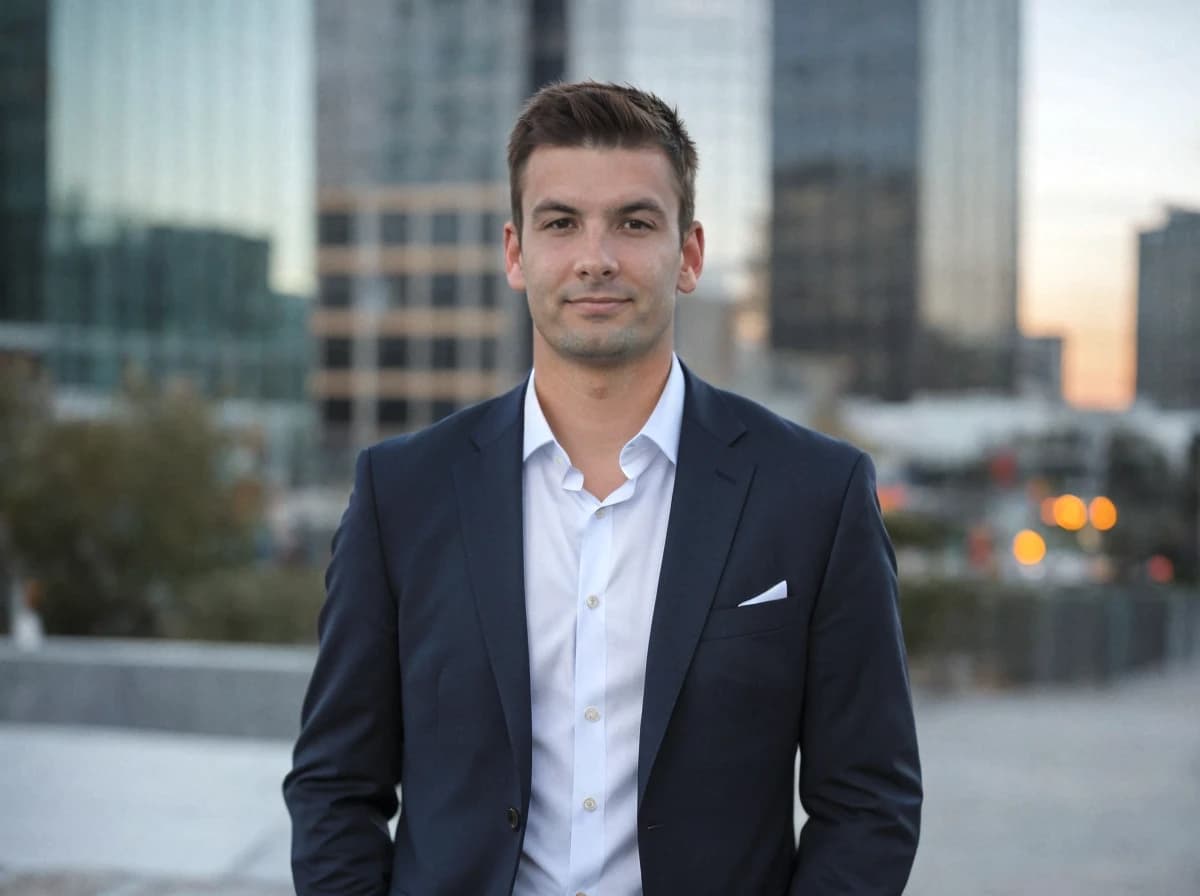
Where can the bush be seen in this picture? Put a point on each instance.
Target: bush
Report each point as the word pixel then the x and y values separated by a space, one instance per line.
pixel 265 605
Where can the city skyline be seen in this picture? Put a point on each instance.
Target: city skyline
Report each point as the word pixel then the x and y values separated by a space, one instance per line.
pixel 1107 142
pixel 1110 138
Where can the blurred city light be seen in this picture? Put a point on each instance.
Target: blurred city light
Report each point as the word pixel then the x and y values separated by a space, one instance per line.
pixel 1029 548
pixel 1070 512
pixel 1160 569
pixel 1047 511
pixel 1103 513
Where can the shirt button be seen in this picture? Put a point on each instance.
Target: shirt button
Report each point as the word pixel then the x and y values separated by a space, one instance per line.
pixel 589 804
pixel 592 714
pixel 601 513
pixel 593 601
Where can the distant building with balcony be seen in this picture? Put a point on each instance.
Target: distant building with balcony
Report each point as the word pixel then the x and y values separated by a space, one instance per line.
pixel 1168 312
pixel 414 104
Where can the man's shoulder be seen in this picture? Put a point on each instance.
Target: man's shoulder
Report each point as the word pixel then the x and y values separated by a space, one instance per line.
pixel 452 436
pixel 775 437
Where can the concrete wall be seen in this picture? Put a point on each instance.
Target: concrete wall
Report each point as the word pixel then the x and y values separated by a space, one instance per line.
pixel 251 691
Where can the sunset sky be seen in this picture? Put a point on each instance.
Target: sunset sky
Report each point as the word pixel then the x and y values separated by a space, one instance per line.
pixel 1111 135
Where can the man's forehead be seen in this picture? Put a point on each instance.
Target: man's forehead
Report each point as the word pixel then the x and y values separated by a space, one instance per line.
pixel 610 177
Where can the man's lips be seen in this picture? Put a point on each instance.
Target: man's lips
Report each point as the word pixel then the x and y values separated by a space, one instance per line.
pixel 597 303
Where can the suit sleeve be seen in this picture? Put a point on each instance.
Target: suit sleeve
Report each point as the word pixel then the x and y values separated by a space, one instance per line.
pixel 341 790
pixel 860 777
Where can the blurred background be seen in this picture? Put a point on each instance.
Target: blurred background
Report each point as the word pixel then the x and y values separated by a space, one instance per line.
pixel 242 239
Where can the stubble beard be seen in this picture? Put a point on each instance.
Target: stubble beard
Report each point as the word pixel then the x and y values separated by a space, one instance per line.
pixel 609 348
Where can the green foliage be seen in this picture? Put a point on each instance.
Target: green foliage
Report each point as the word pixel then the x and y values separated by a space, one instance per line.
pixel 111 516
pixel 266 605
pixel 922 530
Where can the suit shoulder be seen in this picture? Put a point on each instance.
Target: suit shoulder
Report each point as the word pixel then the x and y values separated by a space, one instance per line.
pixel 789 444
pixel 441 442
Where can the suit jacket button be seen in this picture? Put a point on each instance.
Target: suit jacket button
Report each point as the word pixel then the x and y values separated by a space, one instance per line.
pixel 514 819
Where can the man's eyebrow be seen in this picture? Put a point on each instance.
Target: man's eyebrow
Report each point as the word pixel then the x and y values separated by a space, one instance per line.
pixel 553 205
pixel 641 205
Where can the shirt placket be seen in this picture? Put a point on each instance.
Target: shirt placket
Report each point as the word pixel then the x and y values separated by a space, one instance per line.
pixel 589 781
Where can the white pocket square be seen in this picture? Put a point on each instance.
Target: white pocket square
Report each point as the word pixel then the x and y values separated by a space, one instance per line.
pixel 778 591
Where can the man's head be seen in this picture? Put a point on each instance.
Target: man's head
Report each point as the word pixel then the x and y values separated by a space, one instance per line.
pixel 605 116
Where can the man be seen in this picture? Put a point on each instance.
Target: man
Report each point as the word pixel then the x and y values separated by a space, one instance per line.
pixel 586 625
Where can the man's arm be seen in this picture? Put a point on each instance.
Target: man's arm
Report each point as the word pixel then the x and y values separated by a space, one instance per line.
pixel 860 776
pixel 341 790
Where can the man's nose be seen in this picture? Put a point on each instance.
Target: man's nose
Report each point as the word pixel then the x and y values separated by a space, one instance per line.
pixel 596 259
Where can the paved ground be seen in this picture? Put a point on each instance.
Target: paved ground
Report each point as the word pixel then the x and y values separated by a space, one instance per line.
pixel 1059 793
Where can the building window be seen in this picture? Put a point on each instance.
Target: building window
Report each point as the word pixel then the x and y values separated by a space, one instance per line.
pixel 336 353
pixel 443 408
pixel 393 412
pixel 335 292
pixel 487 291
pixel 487 353
pixel 393 352
pixel 393 228
pixel 445 229
pixel 493 228
pixel 445 353
pixel 397 291
pixel 445 290
pixel 336 411
pixel 335 229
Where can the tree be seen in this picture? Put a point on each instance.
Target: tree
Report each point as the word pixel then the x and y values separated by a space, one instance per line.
pixel 111 516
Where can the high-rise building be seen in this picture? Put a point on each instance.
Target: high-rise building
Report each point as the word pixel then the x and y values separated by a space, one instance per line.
pixel 24 61
pixel 155 203
pixel 894 191
pixel 414 103
pixel 1168 311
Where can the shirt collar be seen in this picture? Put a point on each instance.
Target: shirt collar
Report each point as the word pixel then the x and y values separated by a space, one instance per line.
pixel 662 427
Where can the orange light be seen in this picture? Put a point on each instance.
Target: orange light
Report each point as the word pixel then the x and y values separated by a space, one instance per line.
pixel 1070 512
pixel 1048 511
pixel 1029 548
pixel 1160 569
pixel 1103 513
pixel 892 497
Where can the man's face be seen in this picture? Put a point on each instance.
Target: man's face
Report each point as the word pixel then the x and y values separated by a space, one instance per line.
pixel 600 256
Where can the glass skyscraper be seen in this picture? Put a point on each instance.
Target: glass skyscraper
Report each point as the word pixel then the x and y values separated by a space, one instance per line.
pixel 894 192
pixel 415 99
pixel 176 177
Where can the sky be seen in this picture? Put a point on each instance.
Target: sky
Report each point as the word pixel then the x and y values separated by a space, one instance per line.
pixel 1111 135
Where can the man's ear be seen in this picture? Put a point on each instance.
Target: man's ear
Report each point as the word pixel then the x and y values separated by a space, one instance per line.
pixel 512 258
pixel 691 258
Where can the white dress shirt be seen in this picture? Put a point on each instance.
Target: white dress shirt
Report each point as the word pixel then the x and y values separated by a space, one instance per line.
pixel 591 576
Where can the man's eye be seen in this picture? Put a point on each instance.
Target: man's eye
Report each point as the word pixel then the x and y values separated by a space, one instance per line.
pixel 638 224
pixel 558 224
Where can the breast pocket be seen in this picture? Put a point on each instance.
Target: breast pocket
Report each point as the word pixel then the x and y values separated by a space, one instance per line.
pixel 735 622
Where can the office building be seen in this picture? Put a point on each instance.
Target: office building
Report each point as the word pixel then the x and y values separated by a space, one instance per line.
pixel 155 203
pixel 894 192
pixel 414 103
pixel 1168 312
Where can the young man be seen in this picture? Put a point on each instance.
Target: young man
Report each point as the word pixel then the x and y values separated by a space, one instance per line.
pixel 587 624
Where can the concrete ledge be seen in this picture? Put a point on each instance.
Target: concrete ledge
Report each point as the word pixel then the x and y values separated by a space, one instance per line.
pixel 219 689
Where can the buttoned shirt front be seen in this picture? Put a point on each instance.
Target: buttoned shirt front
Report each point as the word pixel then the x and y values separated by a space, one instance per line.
pixel 591 576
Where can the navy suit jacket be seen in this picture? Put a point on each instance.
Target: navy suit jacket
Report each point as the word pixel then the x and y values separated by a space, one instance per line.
pixel 422 678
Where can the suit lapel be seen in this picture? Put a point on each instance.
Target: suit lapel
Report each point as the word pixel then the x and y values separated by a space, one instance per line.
pixel 711 481
pixel 488 484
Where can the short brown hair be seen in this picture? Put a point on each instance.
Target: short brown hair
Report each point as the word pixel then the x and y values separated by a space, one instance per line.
pixel 589 113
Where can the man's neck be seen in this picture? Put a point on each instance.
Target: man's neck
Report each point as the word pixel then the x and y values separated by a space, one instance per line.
pixel 594 411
